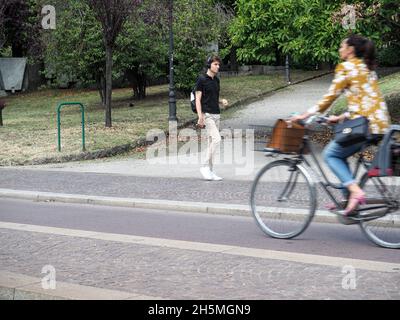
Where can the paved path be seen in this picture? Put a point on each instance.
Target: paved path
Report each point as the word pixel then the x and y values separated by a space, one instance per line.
pixel 297 98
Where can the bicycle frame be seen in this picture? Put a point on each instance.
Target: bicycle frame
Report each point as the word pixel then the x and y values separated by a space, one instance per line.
pixel 291 171
pixel 325 183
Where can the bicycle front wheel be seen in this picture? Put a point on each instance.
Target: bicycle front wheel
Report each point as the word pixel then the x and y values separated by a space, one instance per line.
pixel 283 199
pixel 385 229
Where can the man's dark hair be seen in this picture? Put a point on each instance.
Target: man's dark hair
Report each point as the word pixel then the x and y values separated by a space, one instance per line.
pixel 212 59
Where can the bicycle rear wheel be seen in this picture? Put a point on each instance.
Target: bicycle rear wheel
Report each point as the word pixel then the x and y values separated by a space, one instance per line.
pixel 385 230
pixel 283 199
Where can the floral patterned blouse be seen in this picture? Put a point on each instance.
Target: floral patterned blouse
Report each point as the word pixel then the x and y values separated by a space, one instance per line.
pixel 363 96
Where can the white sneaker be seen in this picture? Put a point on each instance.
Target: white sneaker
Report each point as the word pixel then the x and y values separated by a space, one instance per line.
pixel 206 173
pixel 215 177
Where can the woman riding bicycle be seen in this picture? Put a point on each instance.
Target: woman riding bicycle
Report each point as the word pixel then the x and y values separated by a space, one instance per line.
pixel 355 76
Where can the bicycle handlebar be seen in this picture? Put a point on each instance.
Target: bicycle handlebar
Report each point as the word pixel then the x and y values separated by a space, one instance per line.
pixel 317 119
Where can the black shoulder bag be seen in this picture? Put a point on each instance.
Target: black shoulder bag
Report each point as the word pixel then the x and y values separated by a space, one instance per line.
pixel 352 131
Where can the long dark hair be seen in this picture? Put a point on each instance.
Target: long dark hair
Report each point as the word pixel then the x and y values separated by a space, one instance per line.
pixel 363 49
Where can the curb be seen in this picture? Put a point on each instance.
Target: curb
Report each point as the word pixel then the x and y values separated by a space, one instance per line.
pixel 156 204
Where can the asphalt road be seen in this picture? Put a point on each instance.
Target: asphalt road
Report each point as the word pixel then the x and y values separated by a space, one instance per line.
pixel 326 239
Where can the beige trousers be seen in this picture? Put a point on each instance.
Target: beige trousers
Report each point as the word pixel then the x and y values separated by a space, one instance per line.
pixel 212 122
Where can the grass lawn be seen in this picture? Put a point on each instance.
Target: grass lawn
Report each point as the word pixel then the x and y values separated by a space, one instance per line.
pixel 29 133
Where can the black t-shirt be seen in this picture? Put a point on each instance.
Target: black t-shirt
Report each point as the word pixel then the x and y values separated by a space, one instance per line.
pixel 210 93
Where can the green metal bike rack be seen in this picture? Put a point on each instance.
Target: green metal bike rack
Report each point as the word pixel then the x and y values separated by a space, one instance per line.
pixel 59 122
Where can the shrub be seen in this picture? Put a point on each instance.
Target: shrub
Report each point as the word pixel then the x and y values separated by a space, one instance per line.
pixel 390 56
pixel 393 102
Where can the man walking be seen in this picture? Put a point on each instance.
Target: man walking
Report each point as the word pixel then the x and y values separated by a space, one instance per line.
pixel 207 106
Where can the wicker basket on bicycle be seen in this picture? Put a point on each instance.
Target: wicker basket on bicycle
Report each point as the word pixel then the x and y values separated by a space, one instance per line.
pixel 286 138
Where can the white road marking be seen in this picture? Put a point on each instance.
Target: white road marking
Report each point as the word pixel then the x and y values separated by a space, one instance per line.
pixel 208 247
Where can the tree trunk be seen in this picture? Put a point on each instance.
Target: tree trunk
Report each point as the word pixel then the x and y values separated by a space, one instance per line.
pixel 142 86
pixel 233 60
pixel 101 86
pixel 138 81
pixel 17 50
pixel 109 53
pixel 278 57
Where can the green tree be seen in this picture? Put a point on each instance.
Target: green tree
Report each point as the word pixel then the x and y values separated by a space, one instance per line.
pixel 197 25
pixel 20 28
pixel 380 21
pixel 74 51
pixel 307 30
pixel 112 15
pixel 142 47
pixel 3 6
pixel 264 30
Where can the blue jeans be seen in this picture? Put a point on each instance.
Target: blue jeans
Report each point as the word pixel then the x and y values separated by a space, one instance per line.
pixel 336 156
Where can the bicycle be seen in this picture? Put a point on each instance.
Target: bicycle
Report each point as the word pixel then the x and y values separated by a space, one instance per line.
pixel 284 196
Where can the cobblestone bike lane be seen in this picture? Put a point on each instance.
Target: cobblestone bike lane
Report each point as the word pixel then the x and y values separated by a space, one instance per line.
pixel 192 271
